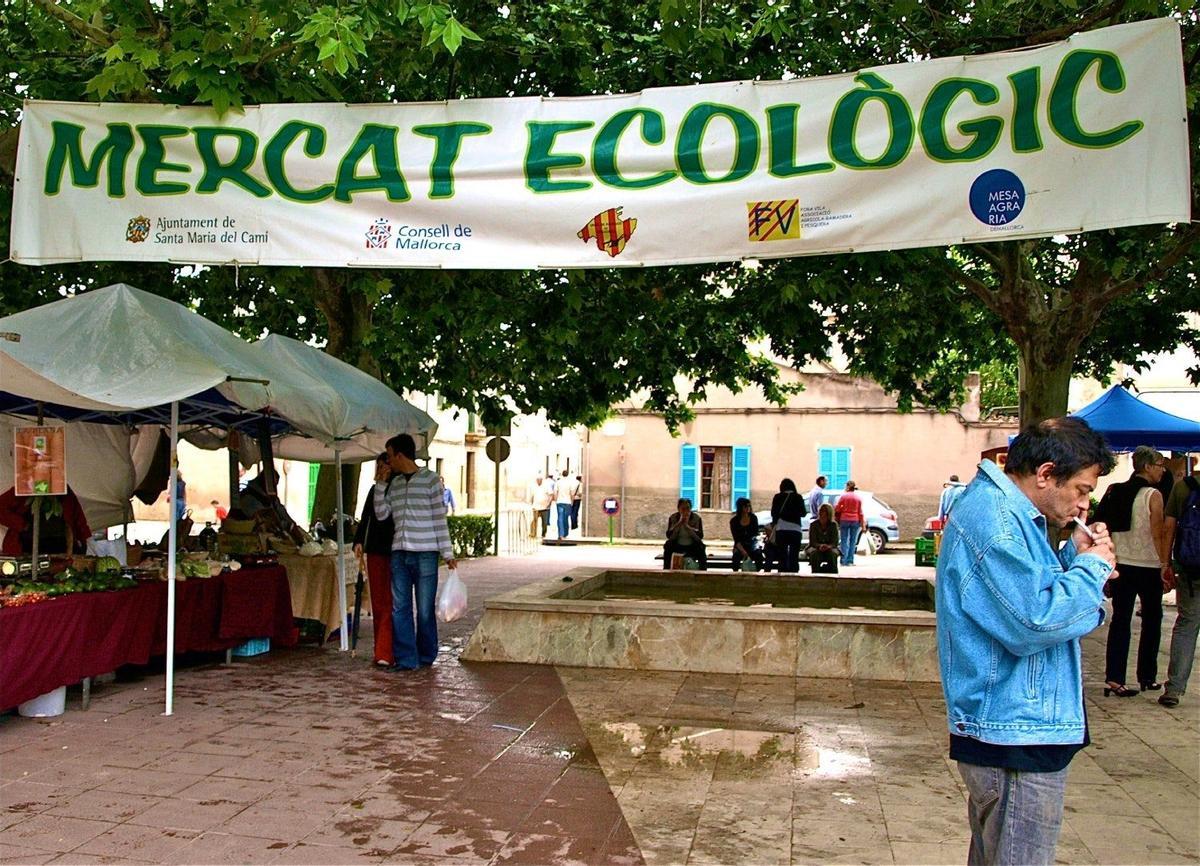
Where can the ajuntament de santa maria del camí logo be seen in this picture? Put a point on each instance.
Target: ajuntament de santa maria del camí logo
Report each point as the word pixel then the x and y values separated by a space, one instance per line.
pixel 138 229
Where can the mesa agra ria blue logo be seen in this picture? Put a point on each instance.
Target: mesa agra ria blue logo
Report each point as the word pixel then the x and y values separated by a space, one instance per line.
pixel 997 197
pixel 137 230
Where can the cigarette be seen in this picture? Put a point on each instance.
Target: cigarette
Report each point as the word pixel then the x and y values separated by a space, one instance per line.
pixel 1084 527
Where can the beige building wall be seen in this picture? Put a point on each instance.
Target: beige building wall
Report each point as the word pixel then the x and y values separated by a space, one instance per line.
pixel 902 458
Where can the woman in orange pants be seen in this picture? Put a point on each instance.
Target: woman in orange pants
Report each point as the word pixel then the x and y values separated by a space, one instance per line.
pixel 374 539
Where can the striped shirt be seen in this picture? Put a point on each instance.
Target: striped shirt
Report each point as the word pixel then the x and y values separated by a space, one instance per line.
pixel 416 507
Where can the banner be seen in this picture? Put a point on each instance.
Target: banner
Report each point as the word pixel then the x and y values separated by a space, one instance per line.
pixel 1085 134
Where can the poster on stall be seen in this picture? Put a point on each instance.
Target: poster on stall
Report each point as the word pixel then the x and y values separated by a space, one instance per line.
pixel 40 461
pixel 1088 133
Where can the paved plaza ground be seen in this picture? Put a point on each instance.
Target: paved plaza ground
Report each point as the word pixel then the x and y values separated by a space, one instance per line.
pixel 311 756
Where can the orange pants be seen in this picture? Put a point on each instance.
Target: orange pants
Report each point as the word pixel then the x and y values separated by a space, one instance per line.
pixel 379 576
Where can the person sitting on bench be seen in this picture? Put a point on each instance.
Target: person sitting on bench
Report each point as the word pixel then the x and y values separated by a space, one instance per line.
pixel 685 534
pixel 823 539
pixel 743 528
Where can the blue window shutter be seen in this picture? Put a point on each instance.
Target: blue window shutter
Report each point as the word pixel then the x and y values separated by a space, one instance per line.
pixel 834 464
pixel 841 468
pixel 689 473
pixel 825 463
pixel 741 473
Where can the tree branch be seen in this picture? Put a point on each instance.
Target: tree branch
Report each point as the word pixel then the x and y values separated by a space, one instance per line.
pixel 986 294
pixel 1186 242
pixel 1054 34
pixel 88 31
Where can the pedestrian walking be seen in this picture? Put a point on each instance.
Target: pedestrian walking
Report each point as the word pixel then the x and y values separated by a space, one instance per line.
pixel 1182 526
pixel 412 499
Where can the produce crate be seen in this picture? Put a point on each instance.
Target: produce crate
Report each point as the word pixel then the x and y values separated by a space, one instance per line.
pixel 926 552
pixel 253 647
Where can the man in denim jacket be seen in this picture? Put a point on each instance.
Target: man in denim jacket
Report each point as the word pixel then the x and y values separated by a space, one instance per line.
pixel 1011 608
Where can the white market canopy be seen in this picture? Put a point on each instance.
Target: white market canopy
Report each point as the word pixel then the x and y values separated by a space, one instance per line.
pixel 125 355
pixel 1078 135
pixel 335 405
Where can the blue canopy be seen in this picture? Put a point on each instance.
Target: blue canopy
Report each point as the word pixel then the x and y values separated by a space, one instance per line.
pixel 1126 422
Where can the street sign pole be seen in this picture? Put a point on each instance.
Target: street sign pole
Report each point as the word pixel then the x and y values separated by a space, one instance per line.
pixel 610 530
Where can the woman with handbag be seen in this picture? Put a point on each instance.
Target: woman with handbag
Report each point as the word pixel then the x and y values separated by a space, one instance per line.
pixel 373 539
pixel 787 512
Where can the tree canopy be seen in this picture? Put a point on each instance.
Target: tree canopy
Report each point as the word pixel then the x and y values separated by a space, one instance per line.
pixel 574 343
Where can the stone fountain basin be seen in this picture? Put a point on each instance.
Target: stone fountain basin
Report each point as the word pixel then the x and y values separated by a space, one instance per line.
pixel 570 623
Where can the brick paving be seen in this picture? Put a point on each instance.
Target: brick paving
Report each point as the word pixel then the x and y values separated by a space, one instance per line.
pixel 312 756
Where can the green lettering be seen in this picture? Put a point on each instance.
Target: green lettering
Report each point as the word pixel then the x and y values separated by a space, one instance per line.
pixel 781 134
pixel 153 160
pixel 984 131
pixel 691 139
pixel 844 129
pixel 540 159
pixel 449 138
pixel 1027 89
pixel 235 171
pixel 66 148
pixel 1064 96
pixel 378 142
pixel 604 151
pixel 276 149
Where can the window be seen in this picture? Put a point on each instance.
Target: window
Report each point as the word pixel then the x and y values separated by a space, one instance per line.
pixel 834 464
pixel 714 476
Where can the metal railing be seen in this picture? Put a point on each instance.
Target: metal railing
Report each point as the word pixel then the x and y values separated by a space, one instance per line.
pixel 514 533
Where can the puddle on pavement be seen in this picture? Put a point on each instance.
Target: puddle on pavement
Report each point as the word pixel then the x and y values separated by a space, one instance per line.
pixel 738 752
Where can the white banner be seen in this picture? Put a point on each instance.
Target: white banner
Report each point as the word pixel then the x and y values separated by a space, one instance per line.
pixel 1085 134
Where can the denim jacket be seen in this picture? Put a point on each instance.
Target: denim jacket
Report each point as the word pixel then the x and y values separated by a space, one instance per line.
pixel 1010 613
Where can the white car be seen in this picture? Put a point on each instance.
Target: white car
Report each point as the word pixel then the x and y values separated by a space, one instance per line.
pixel 881 519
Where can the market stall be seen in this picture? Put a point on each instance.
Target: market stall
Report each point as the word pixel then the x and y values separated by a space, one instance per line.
pixel 153 362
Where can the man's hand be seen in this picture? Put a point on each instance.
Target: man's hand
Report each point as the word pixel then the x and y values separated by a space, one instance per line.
pixel 1099 543
pixel 1168 578
pixel 451 563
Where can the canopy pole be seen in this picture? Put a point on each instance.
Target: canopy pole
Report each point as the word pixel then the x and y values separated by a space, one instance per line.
pixel 232 442
pixel 172 544
pixel 341 547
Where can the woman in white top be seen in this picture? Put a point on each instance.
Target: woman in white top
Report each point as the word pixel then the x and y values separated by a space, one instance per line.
pixel 1141 555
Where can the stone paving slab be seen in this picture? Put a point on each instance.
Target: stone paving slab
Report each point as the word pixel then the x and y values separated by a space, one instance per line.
pixel 312 756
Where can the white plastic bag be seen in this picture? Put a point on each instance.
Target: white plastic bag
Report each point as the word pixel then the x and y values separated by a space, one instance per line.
pixel 451 598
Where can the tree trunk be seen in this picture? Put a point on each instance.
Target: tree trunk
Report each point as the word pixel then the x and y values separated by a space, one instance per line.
pixel 1045 384
pixel 348 322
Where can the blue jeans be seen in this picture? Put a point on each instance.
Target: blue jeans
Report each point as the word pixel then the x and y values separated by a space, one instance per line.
pixel 414 571
pixel 564 519
pixel 1015 815
pixel 849 533
pixel 1183 637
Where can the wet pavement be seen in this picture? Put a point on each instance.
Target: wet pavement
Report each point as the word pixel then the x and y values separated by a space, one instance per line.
pixel 311 756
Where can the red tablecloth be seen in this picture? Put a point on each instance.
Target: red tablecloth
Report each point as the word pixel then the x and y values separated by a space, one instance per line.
pixel 62 640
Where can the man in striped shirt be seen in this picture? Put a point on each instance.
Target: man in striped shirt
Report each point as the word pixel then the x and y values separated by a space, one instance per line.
pixel 414 503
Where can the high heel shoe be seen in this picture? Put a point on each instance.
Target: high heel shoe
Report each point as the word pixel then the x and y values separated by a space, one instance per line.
pixel 1151 687
pixel 1118 690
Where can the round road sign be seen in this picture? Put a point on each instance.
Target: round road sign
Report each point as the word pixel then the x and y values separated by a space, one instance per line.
pixel 498 449
pixel 611 505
